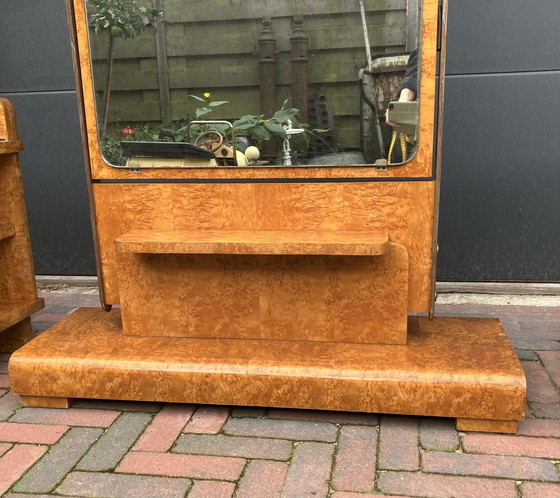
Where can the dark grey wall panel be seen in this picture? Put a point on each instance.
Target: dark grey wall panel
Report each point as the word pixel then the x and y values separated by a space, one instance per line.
pixel 54 182
pixel 503 36
pixel 500 199
pixel 35 49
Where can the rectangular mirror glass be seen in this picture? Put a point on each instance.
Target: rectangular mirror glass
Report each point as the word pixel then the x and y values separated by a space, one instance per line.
pixel 229 83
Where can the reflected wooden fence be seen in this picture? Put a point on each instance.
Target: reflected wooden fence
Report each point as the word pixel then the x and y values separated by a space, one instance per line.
pixel 252 53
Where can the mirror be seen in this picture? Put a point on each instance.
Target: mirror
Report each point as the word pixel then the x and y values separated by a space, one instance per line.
pixel 254 82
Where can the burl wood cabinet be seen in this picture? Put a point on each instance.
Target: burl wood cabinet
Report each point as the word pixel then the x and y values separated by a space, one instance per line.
pixel 18 292
pixel 308 286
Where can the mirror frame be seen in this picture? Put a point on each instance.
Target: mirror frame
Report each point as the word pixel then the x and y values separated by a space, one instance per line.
pixel 420 166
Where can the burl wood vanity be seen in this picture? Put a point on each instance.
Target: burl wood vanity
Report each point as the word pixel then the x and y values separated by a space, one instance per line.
pixel 272 285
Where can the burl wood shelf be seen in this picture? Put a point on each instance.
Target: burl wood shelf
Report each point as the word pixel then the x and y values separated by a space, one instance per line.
pixel 280 242
pixel 11 146
pixel 12 312
pixel 463 368
pixel 7 230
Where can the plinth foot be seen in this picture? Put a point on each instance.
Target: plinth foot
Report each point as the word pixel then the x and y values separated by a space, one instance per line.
pixel 477 425
pixel 46 402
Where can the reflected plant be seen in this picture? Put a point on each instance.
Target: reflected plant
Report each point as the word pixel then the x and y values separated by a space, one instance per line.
pixel 121 19
pixel 209 105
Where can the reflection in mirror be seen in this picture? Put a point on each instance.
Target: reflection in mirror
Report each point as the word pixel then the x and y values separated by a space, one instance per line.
pixel 255 82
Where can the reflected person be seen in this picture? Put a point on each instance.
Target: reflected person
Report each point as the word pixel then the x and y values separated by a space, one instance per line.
pixel 402 146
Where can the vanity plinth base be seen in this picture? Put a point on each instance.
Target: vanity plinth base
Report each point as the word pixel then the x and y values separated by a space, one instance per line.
pixel 463 368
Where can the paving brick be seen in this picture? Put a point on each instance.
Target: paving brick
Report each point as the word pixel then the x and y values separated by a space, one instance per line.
pixel 5 356
pixel 540 490
pixel 309 471
pixel 3 367
pixel 262 479
pixel 50 317
pixel 438 434
pixel 351 494
pixel 539 427
pixel 117 440
pixel 355 461
pixel 325 416
pixel 543 323
pixel 121 406
pixel 546 410
pixel 41 326
pixel 165 428
pixel 441 486
pixel 517 468
pixel 174 465
pixel 235 446
pixel 539 385
pixel 535 343
pixel 551 360
pixel 4 447
pixel 61 458
pixel 28 495
pixel 248 411
pixel 121 485
pixel 55 309
pixel 207 420
pixel 281 429
pixel 212 489
pixel 9 403
pixel 69 416
pixel 16 462
pixel 493 444
pixel 398 443
pixel 526 355
pixel 4 381
pixel 31 433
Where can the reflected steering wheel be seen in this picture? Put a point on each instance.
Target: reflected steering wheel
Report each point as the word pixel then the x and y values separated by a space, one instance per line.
pixel 209 144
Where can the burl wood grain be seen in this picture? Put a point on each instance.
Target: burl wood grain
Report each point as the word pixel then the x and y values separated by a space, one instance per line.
pixel 267 242
pixel 7 230
pixel 452 367
pixel 11 312
pixel 45 402
pixel 502 426
pixel 419 166
pixel 405 209
pixel 289 297
pixel 18 293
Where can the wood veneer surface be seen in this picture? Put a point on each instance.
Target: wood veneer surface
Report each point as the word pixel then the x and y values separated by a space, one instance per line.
pixel 7 230
pixel 451 367
pixel 12 312
pixel 11 147
pixel 334 243
pixel 311 297
pixel 17 276
pixel 405 209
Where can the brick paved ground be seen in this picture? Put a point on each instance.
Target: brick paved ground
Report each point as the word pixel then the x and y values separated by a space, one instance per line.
pixel 118 449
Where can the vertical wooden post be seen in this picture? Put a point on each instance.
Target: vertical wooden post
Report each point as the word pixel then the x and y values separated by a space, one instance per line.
pixel 299 43
pixel 413 25
pixel 267 67
pixel 163 78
